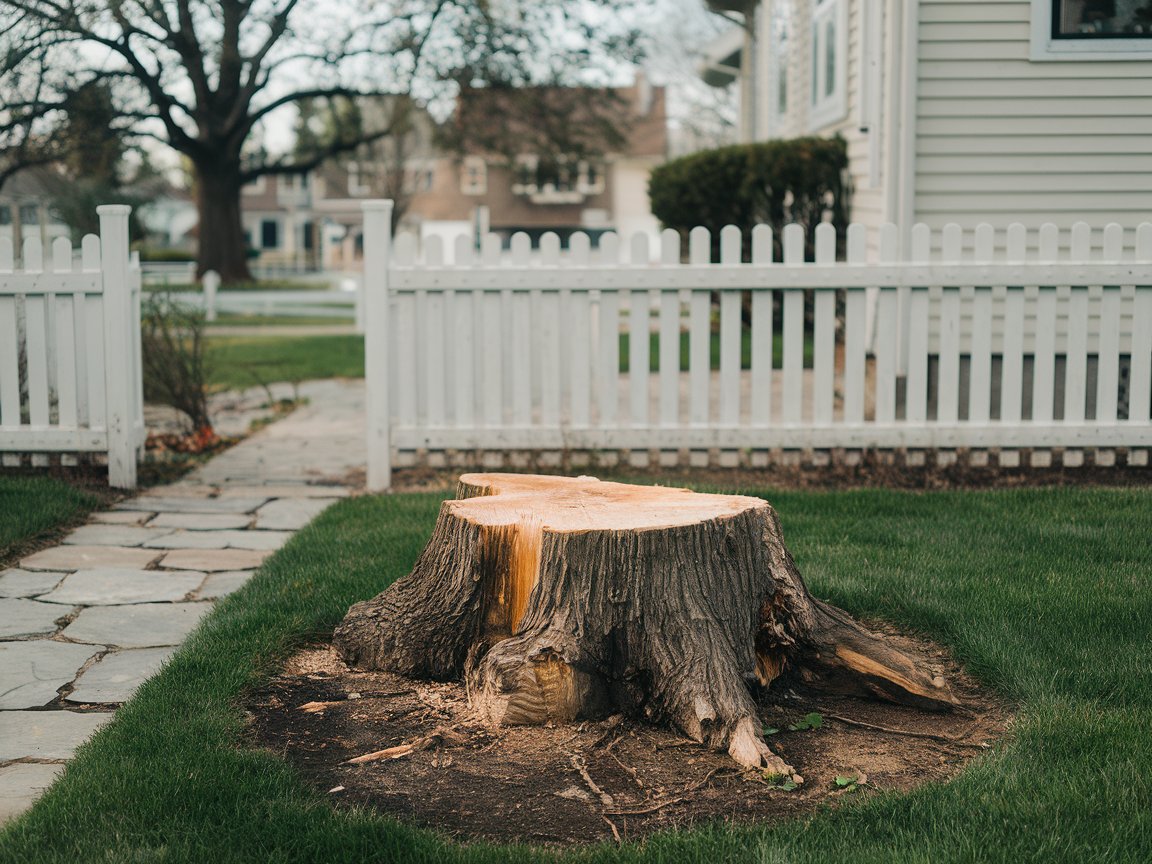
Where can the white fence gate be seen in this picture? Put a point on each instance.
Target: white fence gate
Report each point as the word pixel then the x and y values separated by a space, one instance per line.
pixel 70 371
pixel 607 351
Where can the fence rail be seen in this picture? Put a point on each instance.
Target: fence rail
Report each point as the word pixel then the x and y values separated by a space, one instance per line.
pixel 70 378
pixel 607 349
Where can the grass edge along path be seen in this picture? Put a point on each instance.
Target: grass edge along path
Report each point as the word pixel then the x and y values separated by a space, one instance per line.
pixel 37 509
pixel 1042 593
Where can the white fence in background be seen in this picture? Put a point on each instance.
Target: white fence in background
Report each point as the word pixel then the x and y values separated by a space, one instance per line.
pixel 521 351
pixel 70 371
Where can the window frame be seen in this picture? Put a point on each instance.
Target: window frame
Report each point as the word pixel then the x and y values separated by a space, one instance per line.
pixel 265 223
pixel 474 176
pixel 824 108
pixel 1047 47
pixel 779 63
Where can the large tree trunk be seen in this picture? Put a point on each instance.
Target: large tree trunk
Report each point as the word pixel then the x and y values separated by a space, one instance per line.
pixel 221 229
pixel 557 598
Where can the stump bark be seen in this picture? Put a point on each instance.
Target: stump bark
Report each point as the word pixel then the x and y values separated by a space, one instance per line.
pixel 559 598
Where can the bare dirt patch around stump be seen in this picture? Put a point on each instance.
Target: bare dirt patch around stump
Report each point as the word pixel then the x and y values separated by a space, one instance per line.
pixel 595 780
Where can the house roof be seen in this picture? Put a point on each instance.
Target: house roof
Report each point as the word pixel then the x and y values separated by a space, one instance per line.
pixel 629 121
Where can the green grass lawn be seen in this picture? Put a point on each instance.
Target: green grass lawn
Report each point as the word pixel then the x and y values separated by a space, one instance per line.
pixel 33 509
pixel 247 361
pixel 1044 594
pixel 244 319
pixel 238 362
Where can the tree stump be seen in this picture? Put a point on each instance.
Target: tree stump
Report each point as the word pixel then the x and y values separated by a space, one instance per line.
pixel 559 598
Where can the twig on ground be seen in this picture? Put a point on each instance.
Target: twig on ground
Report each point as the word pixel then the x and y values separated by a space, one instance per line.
pixel 932 736
pixel 615 830
pixel 631 771
pixel 582 767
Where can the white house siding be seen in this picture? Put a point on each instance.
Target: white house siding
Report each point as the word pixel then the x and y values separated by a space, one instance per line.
pixel 1002 139
pixel 867 203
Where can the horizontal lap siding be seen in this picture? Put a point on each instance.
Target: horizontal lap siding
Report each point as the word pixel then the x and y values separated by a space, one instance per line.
pixel 1003 139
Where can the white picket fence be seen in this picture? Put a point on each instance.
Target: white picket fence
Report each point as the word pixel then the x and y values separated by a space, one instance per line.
pixel 997 348
pixel 70 370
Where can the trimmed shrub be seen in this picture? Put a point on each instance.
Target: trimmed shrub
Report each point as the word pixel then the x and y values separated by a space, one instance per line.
pixel 770 182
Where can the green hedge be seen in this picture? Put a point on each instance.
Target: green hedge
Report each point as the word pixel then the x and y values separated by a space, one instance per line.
pixel 770 182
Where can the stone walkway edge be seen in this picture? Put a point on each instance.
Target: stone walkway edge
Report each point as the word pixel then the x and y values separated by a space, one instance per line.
pixel 83 624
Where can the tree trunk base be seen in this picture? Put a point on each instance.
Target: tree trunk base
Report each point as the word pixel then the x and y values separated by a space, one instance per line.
pixel 562 598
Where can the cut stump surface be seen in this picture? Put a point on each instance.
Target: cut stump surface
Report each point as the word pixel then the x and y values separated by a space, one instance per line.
pixel 558 598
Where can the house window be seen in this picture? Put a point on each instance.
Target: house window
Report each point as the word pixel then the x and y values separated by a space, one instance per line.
pixel 829 62
pixel 5 214
pixel 269 234
pixel 474 176
pixel 359 181
pixel 29 214
pixel 590 178
pixel 524 175
pixel 1091 30
pixel 309 236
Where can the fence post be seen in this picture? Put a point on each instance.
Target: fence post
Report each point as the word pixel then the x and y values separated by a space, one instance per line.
pixel 375 289
pixel 211 283
pixel 119 365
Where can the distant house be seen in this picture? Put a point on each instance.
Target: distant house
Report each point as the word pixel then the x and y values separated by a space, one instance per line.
pixel 26 207
pixel 316 221
pixel 959 111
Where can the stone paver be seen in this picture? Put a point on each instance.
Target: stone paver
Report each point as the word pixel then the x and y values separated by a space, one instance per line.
pixel 115 677
pixel 27 583
pixel 213 560
pixel 125 618
pixel 32 672
pixel 19 617
pixel 21 784
pixel 222 584
pixel 200 521
pixel 267 540
pixel 80 557
pixel 291 514
pixel 192 504
pixel 143 625
pixel 46 734
pixel 118 517
pixel 113 535
pixel 108 587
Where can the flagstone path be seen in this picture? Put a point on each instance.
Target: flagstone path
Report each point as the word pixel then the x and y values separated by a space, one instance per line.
pixel 83 624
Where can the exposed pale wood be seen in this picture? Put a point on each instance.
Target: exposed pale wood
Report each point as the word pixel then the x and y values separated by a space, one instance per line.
pixel 557 598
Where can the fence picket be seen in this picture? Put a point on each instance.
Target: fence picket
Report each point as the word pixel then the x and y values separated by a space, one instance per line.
pixel 435 353
pixel 1012 364
pixel 519 339
pixel 824 334
pixel 980 362
pixel 855 326
pixel 793 331
pixel 1140 374
pixel 700 331
pixel 669 335
pixel 1076 364
pixel 466 306
pixel 1108 333
pixel 9 361
pixel 762 335
pixel 577 329
pixel 887 331
pixel 407 362
pixel 916 383
pixel 490 341
pixel 609 357
pixel 730 335
pixel 639 346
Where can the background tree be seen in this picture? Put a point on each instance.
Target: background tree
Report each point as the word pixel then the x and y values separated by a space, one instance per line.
pixel 202 76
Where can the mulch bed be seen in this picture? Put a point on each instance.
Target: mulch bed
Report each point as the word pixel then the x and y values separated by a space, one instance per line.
pixel 612 779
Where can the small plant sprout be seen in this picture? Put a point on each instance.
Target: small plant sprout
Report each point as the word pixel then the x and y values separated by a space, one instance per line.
pixel 808 721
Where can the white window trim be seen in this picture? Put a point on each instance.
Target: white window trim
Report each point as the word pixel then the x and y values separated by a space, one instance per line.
pixel 480 185
pixel 826 110
pixel 779 66
pixel 1045 48
pixel 582 184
